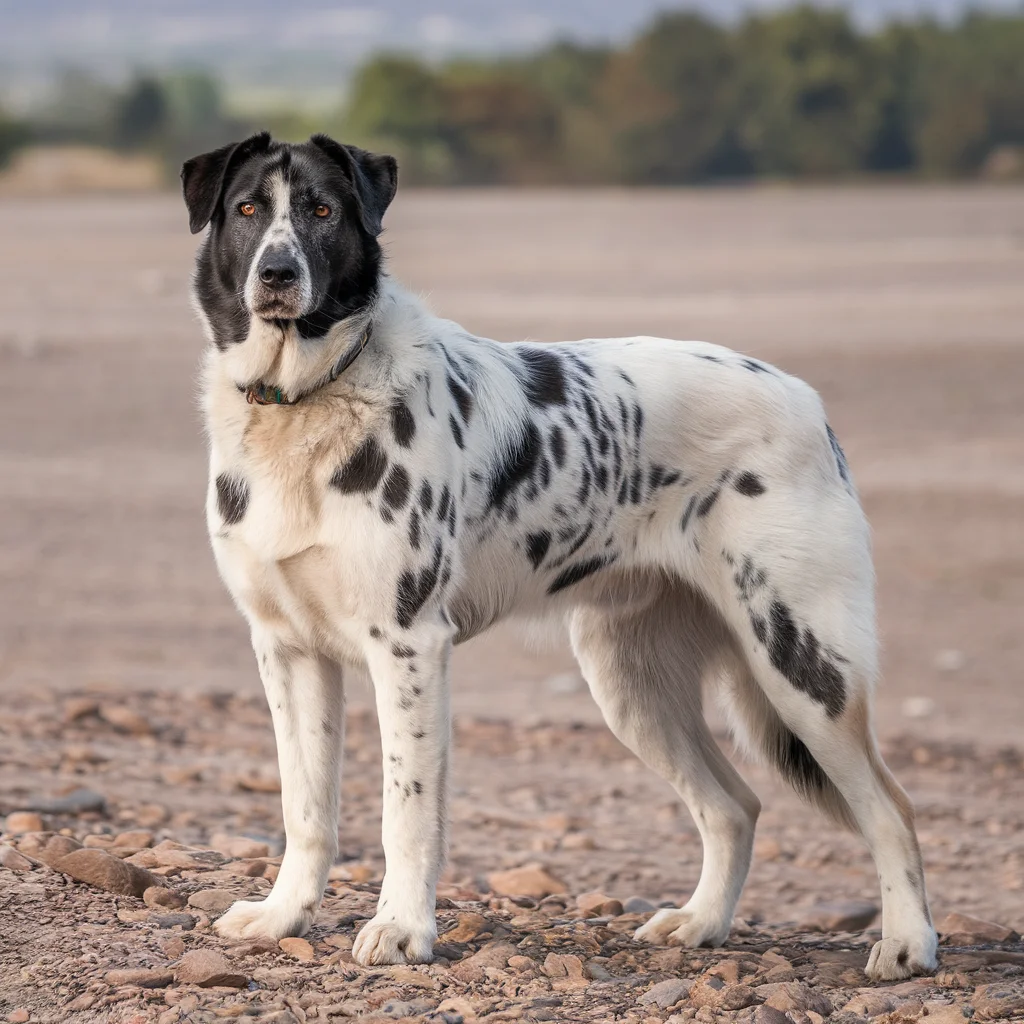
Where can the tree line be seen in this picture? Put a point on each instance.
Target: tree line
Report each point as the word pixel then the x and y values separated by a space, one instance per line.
pixel 797 93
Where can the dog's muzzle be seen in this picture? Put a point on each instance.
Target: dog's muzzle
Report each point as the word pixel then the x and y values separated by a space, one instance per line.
pixel 278 290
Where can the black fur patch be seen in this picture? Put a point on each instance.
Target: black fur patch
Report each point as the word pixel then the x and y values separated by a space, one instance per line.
pixel 414 530
pixel 456 431
pixel 542 376
pixel 426 497
pixel 414 588
pixel 688 513
pixel 517 466
pixel 840 456
pixel 403 424
pixel 558 446
pixel 362 473
pixel 442 505
pixel 462 395
pixel 537 545
pixel 707 503
pixel 232 498
pixel 396 488
pixel 749 484
pixel 402 651
pixel 580 571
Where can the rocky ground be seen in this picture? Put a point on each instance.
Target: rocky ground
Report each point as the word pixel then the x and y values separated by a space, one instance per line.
pixel 133 822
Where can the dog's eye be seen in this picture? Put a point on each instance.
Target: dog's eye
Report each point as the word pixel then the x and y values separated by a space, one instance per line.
pixel 246 209
pixel 322 211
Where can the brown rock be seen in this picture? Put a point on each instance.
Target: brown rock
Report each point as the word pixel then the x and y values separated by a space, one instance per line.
pixel 143 977
pixel 54 850
pixel 159 897
pixel 94 867
pixel 213 901
pixel 566 972
pixel 767 849
pixel 846 916
pixel 184 858
pixel 769 1015
pixel 21 822
pixel 12 860
pixel 974 929
pixel 666 993
pixel 98 842
pixel 791 995
pixel 531 880
pixel 239 847
pixel 173 948
pixel 151 815
pixel 80 707
pixel 597 904
pixel 715 993
pixel 125 720
pixel 523 964
pixel 870 1002
pixel 468 927
pixel 206 968
pixel 999 1001
pixel 19 1016
pixel 259 784
pixel 298 948
pixel 494 954
pixel 138 838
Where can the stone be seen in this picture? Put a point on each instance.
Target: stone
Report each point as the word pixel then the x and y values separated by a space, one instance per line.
pixel 21 822
pixel 522 964
pixel 790 995
pixel 76 708
pixel 298 948
pixel 638 905
pixel 565 971
pixel 151 815
pixel 769 1015
pixel 19 1016
pixel 767 848
pixel 213 901
pixel 12 860
pixel 99 869
pixel 143 977
pixel 185 921
pixel 206 968
pixel 597 904
pixel 493 954
pixel 137 838
pixel 125 719
pixel 160 897
pixel 943 1013
pixel 974 929
pixel 400 1008
pixel 870 1002
pixel 78 801
pixel 666 993
pixel 531 880
pixel 715 993
pixel 239 847
pixel 467 928
pixel 999 1001
pixel 845 916
pixel 173 855
pixel 54 850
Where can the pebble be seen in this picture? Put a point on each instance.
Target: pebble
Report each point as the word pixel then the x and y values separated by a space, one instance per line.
pixel 493 955
pixel 239 847
pixel 151 815
pixel 80 707
pixel 19 1016
pixel 597 904
pixel 973 930
pixel 713 992
pixel 767 848
pixel 138 838
pixel 400 1008
pixel 999 1001
pixel 638 905
pixel 143 977
pixel 21 822
pixel 78 801
pixel 125 720
pixel 769 1015
pixel 531 880
pixel 12 860
pixel 296 947
pixel 50 850
pixel 94 867
pixel 666 993
pixel 206 968
pixel 467 928
pixel 184 921
pixel 846 916
pixel 213 901
pixel 790 995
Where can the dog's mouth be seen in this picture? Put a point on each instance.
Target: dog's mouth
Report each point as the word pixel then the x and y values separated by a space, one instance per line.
pixel 278 305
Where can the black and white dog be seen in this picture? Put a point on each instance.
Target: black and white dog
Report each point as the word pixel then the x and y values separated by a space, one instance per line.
pixel 384 485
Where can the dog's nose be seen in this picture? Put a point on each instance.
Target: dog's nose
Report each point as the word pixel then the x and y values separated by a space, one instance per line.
pixel 278 270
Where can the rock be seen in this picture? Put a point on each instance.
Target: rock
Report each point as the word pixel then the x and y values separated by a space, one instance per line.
pixel 400 1008
pixel 791 995
pixel 298 948
pixel 213 901
pixel 943 1013
pixel 714 992
pixel 239 847
pixel 54 850
pixel 999 1001
pixel 596 904
pixel 666 993
pixel 78 801
pixel 769 1015
pixel 638 905
pixel 259 784
pixel 159 897
pixel 578 841
pixel 206 968
pixel 974 930
pixel 870 1002
pixel 184 921
pixel 173 855
pixel 12 860
pixel 531 880
pixel 125 720
pixel 19 1016
pixel 137 838
pixel 77 708
pixel 847 916
pixel 151 815
pixel 21 822
pixel 522 964
pixel 494 954
pixel 467 928
pixel 565 971
pixel 143 977
pixel 767 849
pixel 94 867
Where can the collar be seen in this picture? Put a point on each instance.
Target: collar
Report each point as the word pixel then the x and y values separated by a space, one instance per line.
pixel 267 394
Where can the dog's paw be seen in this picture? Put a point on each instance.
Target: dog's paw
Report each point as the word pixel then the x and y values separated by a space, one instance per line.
pixel 263 919
pixel 681 928
pixel 382 942
pixel 894 959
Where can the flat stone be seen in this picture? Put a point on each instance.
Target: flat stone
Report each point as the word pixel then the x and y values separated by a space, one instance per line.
pixel 53 850
pixel 638 905
pixel 467 928
pixel 870 1002
pixel 19 1016
pixel 239 847
pixel 137 838
pixel 99 869
pixel 298 948
pixel 21 822
pixel 206 968
pixel 666 993
pixel 213 901
pixel 401 1008
pixel 151 815
pixel 143 977
pixel 78 801
pixel 186 859
pixel 494 954
pixel 531 880
pixel 975 929
pixel 12 860
pixel 597 904
pixel 769 1015
pixel 185 921
pixel 999 1001
pixel 845 916
pixel 716 993
pixel 160 897
pixel 125 719
pixel 791 995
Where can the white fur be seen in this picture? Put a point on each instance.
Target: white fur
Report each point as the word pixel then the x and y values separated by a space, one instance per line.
pixel 316 569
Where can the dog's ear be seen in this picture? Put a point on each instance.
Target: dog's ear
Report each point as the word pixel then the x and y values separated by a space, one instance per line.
pixel 374 176
pixel 204 178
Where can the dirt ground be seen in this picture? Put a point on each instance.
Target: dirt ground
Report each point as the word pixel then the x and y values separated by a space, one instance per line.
pixel 126 673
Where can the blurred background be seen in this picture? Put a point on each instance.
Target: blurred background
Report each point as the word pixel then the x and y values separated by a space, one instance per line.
pixel 839 190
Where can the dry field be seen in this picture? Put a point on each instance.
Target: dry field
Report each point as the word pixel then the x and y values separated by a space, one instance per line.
pixel 125 671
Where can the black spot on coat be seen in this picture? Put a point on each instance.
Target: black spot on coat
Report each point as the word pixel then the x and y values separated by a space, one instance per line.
pixel 558 446
pixel 542 376
pixel 232 498
pixel 749 484
pixel 363 471
pixel 577 572
pixel 426 497
pixel 537 545
pixel 517 465
pixel 462 395
pixel 396 488
pixel 456 431
pixel 414 588
pixel 403 425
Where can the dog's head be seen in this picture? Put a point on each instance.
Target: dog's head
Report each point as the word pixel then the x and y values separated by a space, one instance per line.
pixel 293 232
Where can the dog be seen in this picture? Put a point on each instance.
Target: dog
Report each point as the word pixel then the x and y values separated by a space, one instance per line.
pixel 384 485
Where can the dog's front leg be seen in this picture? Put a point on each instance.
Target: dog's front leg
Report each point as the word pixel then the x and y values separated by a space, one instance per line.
pixel 410 677
pixel 307 703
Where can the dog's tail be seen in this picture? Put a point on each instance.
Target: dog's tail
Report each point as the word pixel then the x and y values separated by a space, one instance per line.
pixel 758 727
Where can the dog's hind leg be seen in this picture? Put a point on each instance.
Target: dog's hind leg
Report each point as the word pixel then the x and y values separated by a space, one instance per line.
pixel 307 703
pixel 645 671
